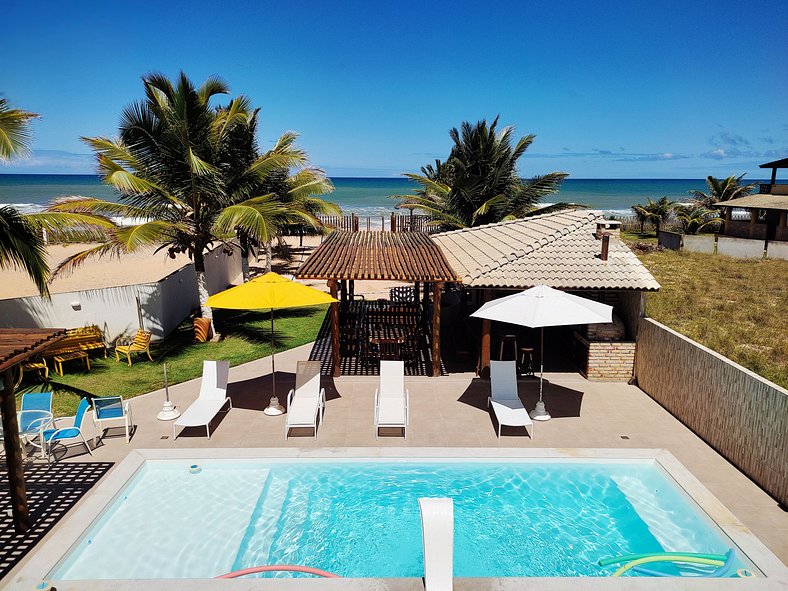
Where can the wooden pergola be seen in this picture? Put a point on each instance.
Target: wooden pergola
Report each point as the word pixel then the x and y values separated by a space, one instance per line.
pixel 392 256
pixel 17 345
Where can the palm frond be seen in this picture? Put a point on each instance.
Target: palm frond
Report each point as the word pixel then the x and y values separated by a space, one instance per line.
pixel 15 133
pixel 22 247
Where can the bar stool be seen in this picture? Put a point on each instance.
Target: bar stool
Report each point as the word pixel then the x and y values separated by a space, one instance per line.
pixel 526 361
pixel 508 339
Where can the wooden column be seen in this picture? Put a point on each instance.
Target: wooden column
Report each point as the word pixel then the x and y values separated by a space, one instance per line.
pixel 484 361
pixel 437 290
pixel 332 285
pixel 13 455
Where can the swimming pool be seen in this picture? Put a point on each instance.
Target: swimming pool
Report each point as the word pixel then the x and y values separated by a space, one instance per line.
pixel 522 517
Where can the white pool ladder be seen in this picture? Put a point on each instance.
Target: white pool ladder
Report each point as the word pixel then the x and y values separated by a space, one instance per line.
pixel 437 528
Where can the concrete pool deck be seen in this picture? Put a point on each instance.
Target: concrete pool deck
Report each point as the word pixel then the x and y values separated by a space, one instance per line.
pixel 447 412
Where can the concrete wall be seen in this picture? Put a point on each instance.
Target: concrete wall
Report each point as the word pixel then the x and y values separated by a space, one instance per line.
pixel 671 240
pixel 777 250
pixel 740 414
pixel 703 243
pixel 740 248
pixel 164 304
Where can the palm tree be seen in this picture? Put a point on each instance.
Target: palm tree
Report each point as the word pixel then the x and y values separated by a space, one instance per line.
pixel 657 212
pixel 478 183
pixel 642 216
pixel 695 217
pixel 21 244
pixel 723 190
pixel 191 172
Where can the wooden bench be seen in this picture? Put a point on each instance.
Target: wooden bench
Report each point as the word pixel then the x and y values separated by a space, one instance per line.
pixel 86 338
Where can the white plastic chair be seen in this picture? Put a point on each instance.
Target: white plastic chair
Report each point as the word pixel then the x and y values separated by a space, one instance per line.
pixel 505 400
pixel 212 398
pixel 110 409
pixel 307 399
pixel 391 399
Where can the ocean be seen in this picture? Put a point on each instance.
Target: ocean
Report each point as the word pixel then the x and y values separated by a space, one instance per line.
pixel 362 196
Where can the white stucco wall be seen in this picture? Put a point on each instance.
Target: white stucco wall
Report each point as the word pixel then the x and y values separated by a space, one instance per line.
pixel 164 304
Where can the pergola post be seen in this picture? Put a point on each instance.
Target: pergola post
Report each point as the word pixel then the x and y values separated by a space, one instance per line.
pixel 484 361
pixel 437 290
pixel 332 285
pixel 13 455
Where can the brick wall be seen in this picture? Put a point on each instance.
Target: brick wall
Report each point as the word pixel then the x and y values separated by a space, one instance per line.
pixel 608 361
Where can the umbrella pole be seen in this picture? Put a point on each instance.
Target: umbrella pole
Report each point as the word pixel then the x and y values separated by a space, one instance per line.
pixel 273 355
pixel 540 412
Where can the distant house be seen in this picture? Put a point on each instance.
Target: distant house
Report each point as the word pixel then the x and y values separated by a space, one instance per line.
pixel 767 211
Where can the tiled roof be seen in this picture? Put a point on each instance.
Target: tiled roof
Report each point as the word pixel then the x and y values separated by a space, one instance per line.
pixel 760 201
pixel 558 249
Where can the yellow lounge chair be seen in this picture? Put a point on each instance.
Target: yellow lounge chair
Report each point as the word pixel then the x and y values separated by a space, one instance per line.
pixel 140 343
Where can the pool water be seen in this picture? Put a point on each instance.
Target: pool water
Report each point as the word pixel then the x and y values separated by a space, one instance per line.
pixel 361 519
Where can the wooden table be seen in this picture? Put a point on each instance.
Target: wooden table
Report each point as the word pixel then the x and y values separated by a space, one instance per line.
pixel 389 339
pixel 59 359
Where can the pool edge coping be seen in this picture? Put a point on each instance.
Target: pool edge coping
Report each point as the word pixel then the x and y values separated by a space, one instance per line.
pixel 66 533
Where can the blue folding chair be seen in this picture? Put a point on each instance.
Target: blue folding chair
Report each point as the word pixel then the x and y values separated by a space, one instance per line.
pixel 34 401
pixel 72 432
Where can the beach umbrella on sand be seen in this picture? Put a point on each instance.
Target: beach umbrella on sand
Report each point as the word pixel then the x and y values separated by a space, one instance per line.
pixel 542 306
pixel 272 292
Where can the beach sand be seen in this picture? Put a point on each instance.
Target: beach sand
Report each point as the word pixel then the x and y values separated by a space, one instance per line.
pixel 147 266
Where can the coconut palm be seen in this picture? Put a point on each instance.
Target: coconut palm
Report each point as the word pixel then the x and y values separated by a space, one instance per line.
pixel 478 183
pixel 723 190
pixel 191 173
pixel 695 217
pixel 657 212
pixel 21 244
pixel 642 216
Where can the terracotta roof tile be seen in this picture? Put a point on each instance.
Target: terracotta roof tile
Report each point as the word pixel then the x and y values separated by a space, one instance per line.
pixel 558 249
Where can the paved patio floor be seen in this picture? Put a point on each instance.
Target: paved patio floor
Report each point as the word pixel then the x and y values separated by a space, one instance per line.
pixel 451 411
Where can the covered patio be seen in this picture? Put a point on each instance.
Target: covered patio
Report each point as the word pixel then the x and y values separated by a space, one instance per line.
pixel 360 332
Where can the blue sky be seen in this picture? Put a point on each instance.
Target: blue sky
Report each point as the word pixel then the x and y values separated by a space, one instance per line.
pixel 611 89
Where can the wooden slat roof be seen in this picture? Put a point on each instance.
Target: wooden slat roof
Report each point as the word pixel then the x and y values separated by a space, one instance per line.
pixel 19 344
pixel 393 256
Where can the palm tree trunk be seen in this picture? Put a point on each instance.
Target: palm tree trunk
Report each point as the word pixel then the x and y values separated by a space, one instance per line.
pixel 269 255
pixel 244 241
pixel 202 285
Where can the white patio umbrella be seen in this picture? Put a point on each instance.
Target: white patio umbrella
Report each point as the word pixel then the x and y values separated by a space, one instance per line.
pixel 542 306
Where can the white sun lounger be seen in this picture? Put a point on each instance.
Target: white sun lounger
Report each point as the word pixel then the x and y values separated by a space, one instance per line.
pixel 212 398
pixel 391 399
pixel 437 532
pixel 505 401
pixel 307 399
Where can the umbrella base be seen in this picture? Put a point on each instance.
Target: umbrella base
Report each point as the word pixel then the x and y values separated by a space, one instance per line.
pixel 540 412
pixel 168 412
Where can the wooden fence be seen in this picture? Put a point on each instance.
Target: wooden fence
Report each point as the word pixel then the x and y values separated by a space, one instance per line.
pixel 393 222
pixel 740 414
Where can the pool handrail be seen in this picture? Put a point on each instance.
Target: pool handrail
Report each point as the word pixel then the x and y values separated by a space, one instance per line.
pixel 295 568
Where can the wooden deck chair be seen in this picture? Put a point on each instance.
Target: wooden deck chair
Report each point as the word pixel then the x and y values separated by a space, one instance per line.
pixel 140 343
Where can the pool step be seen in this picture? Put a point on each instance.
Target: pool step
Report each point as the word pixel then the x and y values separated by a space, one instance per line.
pixel 264 524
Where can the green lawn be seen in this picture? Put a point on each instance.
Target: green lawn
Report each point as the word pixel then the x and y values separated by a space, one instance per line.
pixel 736 307
pixel 245 336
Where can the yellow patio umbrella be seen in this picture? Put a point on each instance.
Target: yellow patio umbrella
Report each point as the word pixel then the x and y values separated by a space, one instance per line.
pixel 271 291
